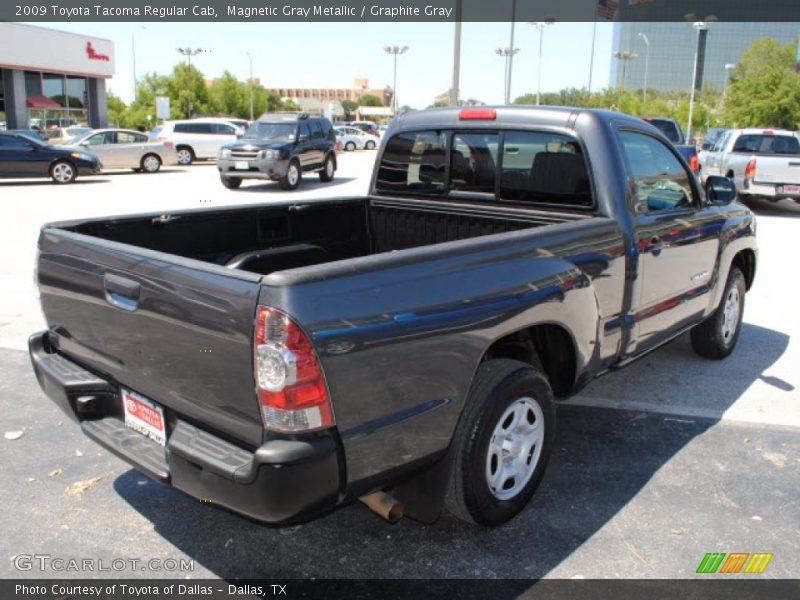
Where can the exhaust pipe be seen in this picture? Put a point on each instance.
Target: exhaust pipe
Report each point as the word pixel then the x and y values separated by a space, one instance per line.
pixel 384 505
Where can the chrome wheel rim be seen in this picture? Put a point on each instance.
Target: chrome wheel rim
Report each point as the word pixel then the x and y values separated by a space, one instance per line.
pixel 62 172
pixel 730 315
pixel 151 164
pixel 350 146
pixel 292 175
pixel 515 448
pixel 329 168
pixel 184 157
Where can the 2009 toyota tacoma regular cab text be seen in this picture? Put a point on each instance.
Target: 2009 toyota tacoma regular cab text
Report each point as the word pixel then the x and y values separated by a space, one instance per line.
pixel 282 360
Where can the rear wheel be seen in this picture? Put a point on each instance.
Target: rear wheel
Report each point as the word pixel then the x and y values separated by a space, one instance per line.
pixel 63 171
pixel 350 146
pixel 716 337
pixel 231 183
pixel 151 163
pixel 370 145
pixel 291 180
pixel 502 443
pixel 185 155
pixel 328 169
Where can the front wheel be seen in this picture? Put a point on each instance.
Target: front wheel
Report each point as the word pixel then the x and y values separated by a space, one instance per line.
pixel 716 337
pixel 328 169
pixel 291 180
pixel 231 183
pixel 502 443
pixel 63 172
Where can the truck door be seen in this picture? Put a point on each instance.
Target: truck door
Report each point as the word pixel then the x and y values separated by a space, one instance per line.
pixel 676 238
pixel 306 152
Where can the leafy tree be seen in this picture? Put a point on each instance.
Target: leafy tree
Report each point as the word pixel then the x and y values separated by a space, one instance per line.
pixel 764 89
pixel 230 97
pixel 370 100
pixel 349 107
pixel 117 110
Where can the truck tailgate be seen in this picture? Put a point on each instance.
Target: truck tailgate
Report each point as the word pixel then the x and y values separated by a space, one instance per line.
pixel 777 169
pixel 175 330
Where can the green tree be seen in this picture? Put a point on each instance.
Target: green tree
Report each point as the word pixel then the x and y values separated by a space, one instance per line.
pixel 370 100
pixel 764 89
pixel 349 107
pixel 117 110
pixel 230 97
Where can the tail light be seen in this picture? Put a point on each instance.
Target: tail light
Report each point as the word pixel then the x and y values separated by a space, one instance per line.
pixel 693 163
pixel 750 169
pixel 292 394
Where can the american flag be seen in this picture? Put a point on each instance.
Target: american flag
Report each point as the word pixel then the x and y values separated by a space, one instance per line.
pixel 607 9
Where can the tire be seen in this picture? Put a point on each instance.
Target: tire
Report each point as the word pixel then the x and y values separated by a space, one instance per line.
pixel 231 183
pixel 369 145
pixel 150 163
pixel 63 172
pixel 350 146
pixel 503 392
pixel 185 155
pixel 328 170
pixel 291 180
pixel 716 337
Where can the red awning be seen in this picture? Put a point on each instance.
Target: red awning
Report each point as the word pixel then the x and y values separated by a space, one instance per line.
pixel 42 102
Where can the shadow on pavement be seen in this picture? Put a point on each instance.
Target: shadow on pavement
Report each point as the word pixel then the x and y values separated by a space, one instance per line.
pixel 782 208
pixel 81 180
pixel 309 182
pixel 601 461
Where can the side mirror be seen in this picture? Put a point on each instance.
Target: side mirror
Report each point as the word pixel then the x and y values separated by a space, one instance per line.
pixel 720 190
pixel 84 143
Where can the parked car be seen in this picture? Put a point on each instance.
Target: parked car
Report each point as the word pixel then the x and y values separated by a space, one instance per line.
pixel 127 149
pixel 198 138
pixel 153 133
pixel 280 147
pixel 762 163
pixel 282 360
pixel 674 133
pixel 63 135
pixel 365 126
pixel 351 138
pixel 711 137
pixel 22 155
pixel 31 133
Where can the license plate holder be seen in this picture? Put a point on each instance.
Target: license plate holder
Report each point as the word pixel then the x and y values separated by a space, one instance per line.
pixel 241 165
pixel 144 416
pixel 791 189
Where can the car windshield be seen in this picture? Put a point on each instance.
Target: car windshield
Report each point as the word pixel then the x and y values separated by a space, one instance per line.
pixel 30 137
pixel 272 131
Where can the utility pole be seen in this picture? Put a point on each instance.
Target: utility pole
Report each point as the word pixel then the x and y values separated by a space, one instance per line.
pixel 511 55
pixel 624 57
pixel 700 26
pixel 454 86
pixel 646 66
pixel 540 25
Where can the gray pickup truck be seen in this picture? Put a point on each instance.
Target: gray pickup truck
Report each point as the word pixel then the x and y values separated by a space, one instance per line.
pixel 406 347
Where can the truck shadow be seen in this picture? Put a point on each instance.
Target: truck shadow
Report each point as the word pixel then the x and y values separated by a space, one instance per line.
pixel 602 460
pixel 309 182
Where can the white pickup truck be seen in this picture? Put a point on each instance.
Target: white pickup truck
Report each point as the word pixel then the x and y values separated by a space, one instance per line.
pixel 762 162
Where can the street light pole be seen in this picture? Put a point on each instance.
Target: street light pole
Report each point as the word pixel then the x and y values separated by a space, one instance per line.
pixel 624 57
pixel 646 66
pixel 699 26
pixel 506 53
pixel 252 101
pixel 189 53
pixel 454 87
pixel 540 25
pixel 395 51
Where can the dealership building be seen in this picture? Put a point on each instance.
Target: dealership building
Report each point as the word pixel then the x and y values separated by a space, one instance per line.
pixel 50 78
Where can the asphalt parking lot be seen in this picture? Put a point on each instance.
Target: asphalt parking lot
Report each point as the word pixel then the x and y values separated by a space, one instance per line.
pixel 655 465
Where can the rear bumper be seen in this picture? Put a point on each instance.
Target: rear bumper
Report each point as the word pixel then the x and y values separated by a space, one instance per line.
pixel 282 481
pixel 768 190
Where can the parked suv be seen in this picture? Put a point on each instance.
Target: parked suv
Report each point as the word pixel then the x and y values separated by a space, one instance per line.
pixel 198 138
pixel 280 147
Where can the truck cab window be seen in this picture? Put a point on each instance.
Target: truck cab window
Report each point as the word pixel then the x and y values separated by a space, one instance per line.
pixel 473 162
pixel 413 162
pixel 661 181
pixel 544 168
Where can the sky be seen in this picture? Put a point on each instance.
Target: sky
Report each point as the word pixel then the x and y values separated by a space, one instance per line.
pixel 334 54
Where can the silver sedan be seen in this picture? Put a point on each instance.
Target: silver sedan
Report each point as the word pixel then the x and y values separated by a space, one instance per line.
pixel 125 149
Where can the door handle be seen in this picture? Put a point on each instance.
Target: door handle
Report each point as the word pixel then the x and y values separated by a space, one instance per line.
pixel 121 292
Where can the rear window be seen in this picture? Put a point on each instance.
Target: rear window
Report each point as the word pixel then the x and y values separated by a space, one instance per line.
pixel 527 167
pixel 668 128
pixel 757 143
